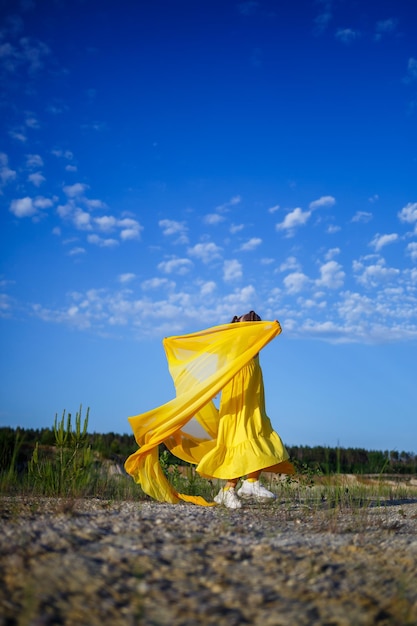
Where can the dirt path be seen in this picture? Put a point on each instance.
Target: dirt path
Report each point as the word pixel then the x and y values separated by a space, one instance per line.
pixel 93 562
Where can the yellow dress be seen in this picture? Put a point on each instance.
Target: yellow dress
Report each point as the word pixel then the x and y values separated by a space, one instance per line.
pixel 246 441
pixel 224 443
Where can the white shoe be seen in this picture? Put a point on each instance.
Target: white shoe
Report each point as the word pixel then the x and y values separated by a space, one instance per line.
pixel 228 498
pixel 255 490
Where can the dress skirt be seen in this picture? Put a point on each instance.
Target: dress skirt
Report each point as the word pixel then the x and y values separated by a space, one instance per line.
pixel 246 441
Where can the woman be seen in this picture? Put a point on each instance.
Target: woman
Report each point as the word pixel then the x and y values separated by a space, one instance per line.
pixel 246 443
pixel 226 443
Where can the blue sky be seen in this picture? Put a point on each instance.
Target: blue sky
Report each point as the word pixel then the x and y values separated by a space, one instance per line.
pixel 167 165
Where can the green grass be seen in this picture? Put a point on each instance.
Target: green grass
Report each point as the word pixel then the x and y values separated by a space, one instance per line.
pixel 72 469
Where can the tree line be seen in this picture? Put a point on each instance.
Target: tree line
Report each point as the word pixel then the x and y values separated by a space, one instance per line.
pixel 17 445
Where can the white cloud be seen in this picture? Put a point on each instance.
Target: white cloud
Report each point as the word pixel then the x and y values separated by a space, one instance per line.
pixel 18 135
pixel 273 209
pixel 23 207
pixel 385 27
pixel 324 17
pixel 71 168
pixel 412 250
pixel 295 282
pixel 332 229
pixel 106 223
pixel 226 206
pixel 32 122
pixel 76 251
pixel 362 216
pixel 63 154
pixel 379 241
pixel 331 275
pixel 375 274
pixel 409 213
pixel 347 35
pixel 250 245
pixel 247 7
pixel 34 161
pixel 41 202
pixel 6 174
pixel 131 228
pixel 208 288
pixel 126 278
pixel 82 220
pixel 76 190
pixel 36 179
pixel 232 270
pixel 412 68
pixel 213 219
pixel 177 266
pixel 157 283
pixel 290 263
pixel 102 243
pixel 332 252
pixel 235 228
pixel 173 227
pixel 324 201
pixel 297 217
pixel 94 204
pixel 206 252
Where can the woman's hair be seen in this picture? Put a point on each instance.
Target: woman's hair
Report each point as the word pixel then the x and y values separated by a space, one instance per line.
pixel 248 317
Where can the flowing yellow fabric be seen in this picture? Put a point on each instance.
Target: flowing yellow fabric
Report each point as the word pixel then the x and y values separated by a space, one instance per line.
pixel 202 364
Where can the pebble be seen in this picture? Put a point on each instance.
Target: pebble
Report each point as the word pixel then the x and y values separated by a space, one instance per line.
pixel 91 562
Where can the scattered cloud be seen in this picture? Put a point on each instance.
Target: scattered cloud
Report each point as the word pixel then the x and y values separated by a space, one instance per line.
pixel 374 274
pixel 347 35
pixel 25 53
pixel 207 288
pixel 232 270
pixel 157 283
pixel 332 252
pixel 76 190
pixel 250 245
pixel 130 228
pixel 28 207
pixel 362 216
pixel 273 209
pixel 249 7
pixel 412 250
pixel 175 266
pixel 6 174
pixel 411 69
pixel 385 27
pixel 213 219
pixel 206 252
pixel 126 278
pixel 34 161
pixel 295 282
pixel 174 228
pixel 379 241
pixel 36 179
pixel 324 17
pixel 331 275
pixel 76 251
pixel 297 217
pixel 101 242
pixel 332 229
pixel 408 214
pixel 235 228
pixel 324 201
pixel 23 207
pixel 235 200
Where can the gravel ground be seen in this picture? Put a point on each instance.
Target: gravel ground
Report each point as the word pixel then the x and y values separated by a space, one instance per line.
pixel 94 562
